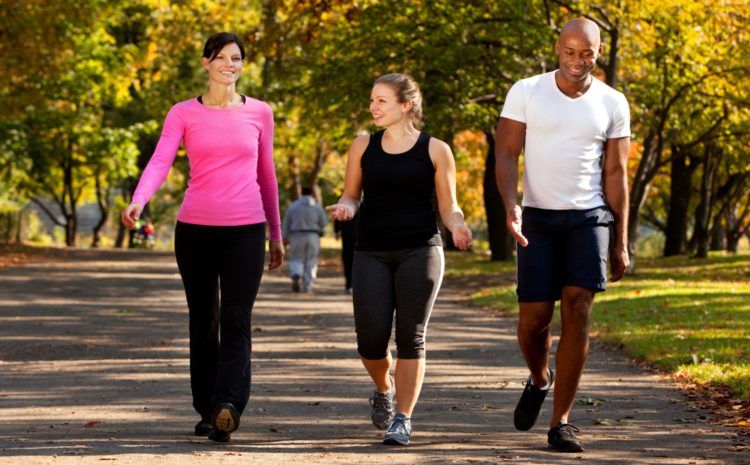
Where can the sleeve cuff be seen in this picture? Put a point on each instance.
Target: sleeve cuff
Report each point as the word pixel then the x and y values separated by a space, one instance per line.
pixel 275 232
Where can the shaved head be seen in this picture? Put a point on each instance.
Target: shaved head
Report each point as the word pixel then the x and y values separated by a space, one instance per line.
pixel 582 26
pixel 578 46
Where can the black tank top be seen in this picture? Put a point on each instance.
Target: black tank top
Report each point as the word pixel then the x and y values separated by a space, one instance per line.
pixel 397 208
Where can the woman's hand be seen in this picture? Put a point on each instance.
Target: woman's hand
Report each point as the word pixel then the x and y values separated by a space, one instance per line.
pixel 461 236
pixel 275 254
pixel 340 211
pixel 131 214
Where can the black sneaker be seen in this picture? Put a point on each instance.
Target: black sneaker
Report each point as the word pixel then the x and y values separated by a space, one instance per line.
pixel 527 410
pixel 399 432
pixel 563 438
pixel 203 428
pixel 382 407
pixel 224 419
pixel 295 283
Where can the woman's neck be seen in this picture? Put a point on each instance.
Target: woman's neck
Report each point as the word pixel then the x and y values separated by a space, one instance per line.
pixel 401 130
pixel 222 97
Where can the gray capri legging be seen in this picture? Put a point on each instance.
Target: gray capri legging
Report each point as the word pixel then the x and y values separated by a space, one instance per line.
pixel 404 281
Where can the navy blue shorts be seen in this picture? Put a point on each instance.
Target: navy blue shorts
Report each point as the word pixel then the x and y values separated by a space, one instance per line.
pixel 566 248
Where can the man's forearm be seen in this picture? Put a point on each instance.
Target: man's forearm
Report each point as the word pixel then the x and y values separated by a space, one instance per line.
pixel 506 177
pixel 616 196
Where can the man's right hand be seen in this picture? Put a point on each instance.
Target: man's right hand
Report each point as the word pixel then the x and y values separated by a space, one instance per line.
pixel 513 221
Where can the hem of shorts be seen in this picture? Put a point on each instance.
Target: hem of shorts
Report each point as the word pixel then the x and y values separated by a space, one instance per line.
pixel 398 356
pixel 590 285
pixel 411 357
pixel 596 287
pixel 549 297
pixel 372 359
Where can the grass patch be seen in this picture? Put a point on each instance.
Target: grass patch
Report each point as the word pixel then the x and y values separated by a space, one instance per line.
pixel 686 316
pixel 465 264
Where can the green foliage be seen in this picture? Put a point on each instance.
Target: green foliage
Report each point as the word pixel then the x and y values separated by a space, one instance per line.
pixel 84 81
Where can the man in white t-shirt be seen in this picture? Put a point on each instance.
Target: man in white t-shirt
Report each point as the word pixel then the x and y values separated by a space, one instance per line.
pixel 575 135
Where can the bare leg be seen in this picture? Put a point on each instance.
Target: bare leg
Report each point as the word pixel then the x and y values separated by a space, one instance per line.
pixel 379 370
pixel 409 378
pixel 573 349
pixel 535 339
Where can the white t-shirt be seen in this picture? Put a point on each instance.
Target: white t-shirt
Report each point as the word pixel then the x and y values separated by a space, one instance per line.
pixel 565 140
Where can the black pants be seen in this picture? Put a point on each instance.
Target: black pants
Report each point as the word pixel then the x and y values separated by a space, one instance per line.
pixel 347 256
pixel 404 281
pixel 221 267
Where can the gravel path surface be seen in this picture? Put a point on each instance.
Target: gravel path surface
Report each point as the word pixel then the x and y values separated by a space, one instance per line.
pixel 93 368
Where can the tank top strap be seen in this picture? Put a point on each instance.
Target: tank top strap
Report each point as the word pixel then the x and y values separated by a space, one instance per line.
pixel 422 146
pixel 376 138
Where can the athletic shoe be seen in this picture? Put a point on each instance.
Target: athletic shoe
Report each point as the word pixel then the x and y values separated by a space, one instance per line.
pixel 527 410
pixel 295 283
pixel 399 432
pixel 225 419
pixel 563 438
pixel 203 428
pixel 382 406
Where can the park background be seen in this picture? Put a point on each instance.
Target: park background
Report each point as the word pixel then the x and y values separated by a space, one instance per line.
pixel 85 86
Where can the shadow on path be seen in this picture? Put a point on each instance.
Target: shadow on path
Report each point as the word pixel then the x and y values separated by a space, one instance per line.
pixel 93 366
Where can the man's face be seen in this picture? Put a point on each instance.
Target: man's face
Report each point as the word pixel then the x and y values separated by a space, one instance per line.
pixel 578 52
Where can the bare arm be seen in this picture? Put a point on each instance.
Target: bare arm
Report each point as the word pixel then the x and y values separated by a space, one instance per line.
pixel 348 204
pixel 615 185
pixel 445 189
pixel 509 139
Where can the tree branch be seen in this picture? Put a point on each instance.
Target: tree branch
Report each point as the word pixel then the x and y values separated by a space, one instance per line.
pixel 47 212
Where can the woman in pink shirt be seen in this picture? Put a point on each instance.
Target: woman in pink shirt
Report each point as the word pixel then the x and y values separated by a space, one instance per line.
pixel 221 228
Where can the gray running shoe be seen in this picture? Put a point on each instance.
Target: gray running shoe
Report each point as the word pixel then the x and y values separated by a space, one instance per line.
pixel 382 407
pixel 399 432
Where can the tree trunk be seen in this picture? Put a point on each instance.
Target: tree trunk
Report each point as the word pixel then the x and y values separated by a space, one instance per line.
pixel 126 188
pixel 718 236
pixel 71 225
pixel 69 200
pixel 320 160
pixel 19 227
pixel 103 202
pixel 7 229
pixel 293 165
pixel 500 240
pixel 120 239
pixel 703 212
pixel 679 201
pixel 737 220
pixel 638 193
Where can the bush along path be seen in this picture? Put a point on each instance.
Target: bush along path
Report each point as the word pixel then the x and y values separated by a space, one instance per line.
pixel 93 367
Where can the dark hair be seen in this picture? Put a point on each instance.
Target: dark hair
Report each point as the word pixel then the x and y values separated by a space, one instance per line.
pixel 307 191
pixel 407 90
pixel 218 41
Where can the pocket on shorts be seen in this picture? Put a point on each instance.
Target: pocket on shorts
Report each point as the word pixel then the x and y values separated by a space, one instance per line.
pixel 600 216
pixel 538 219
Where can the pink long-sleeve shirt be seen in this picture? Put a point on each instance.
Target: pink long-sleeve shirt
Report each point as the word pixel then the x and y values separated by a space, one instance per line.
pixel 230 151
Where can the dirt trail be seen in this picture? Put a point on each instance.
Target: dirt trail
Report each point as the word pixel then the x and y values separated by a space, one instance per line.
pixel 93 367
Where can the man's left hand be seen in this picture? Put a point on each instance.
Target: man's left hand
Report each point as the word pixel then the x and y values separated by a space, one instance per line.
pixel 619 263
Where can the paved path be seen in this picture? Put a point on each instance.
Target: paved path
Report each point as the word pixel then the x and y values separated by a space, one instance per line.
pixel 93 369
